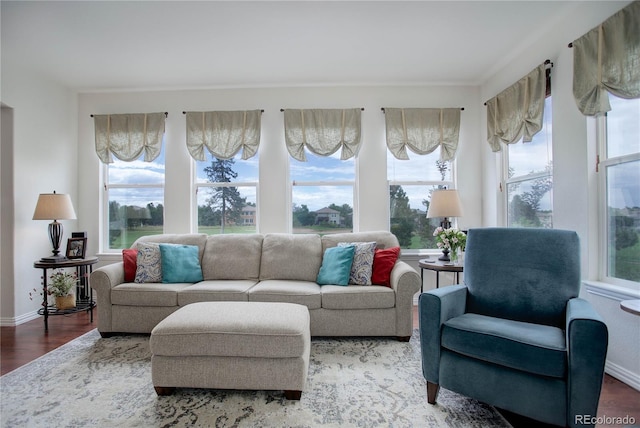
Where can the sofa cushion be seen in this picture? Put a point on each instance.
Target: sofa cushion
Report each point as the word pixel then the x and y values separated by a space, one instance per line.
pixel 129 261
pixel 533 348
pixel 214 291
pixel 180 263
pixel 383 262
pixel 357 297
pixel 148 263
pixel 301 292
pixel 232 256
pixel 336 265
pixel 362 265
pixel 148 294
pixel 291 257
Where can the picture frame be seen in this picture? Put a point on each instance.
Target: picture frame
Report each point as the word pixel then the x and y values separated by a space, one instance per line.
pixel 76 248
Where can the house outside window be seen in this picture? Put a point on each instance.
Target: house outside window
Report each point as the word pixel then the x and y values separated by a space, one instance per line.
pixel 411 183
pixel 226 195
pixel 133 201
pixel 528 181
pixel 619 181
pixel 322 194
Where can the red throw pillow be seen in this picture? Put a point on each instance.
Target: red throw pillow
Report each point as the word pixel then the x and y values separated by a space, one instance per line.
pixel 383 262
pixel 130 258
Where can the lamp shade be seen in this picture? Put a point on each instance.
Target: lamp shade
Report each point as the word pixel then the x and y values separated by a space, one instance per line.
pixel 444 203
pixel 54 206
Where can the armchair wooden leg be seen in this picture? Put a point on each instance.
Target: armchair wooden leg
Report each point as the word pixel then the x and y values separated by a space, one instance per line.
pixel 432 392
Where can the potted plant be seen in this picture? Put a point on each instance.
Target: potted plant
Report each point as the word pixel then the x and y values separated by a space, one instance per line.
pixel 61 285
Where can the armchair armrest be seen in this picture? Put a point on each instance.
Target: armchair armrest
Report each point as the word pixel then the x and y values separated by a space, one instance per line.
pixel 435 307
pixel 587 340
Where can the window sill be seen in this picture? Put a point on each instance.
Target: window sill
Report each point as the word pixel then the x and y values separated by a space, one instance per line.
pixel 610 291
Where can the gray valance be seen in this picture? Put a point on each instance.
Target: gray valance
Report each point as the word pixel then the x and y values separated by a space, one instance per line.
pixel 223 133
pixel 422 130
pixel 607 59
pixel 322 131
pixel 517 112
pixel 127 136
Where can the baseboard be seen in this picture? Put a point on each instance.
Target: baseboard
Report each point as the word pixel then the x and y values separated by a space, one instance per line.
pixel 623 375
pixel 12 322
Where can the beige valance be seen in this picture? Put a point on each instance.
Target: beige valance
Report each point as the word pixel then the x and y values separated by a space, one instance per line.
pixel 223 133
pixel 517 112
pixel 422 130
pixel 607 59
pixel 127 136
pixel 322 131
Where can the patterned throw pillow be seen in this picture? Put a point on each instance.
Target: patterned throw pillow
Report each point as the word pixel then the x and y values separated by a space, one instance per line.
pixel 362 266
pixel 149 263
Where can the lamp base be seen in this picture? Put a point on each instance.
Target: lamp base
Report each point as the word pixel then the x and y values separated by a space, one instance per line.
pixel 53 259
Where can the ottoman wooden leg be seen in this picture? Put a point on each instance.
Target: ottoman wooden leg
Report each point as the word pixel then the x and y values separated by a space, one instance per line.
pixel 164 390
pixel 292 395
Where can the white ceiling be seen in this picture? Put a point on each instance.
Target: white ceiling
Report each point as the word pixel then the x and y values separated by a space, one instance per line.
pixel 114 45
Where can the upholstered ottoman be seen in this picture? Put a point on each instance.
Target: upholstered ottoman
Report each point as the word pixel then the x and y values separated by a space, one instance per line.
pixel 232 345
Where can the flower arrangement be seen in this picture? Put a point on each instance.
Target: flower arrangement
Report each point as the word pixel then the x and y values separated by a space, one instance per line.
pixel 61 283
pixel 450 240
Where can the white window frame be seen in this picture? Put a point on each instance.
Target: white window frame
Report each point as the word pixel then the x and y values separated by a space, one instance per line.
pixel 603 162
pixel 506 180
pixel 104 235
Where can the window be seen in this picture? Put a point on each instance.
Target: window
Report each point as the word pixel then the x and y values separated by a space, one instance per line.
pixel 529 178
pixel 322 194
pixel 226 195
pixel 411 183
pixel 619 177
pixel 134 195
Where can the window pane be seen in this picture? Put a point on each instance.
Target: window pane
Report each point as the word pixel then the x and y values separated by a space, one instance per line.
pixel 623 127
pixel 534 156
pixel 235 204
pixel 134 212
pixel 530 203
pixel 322 209
pixel 418 168
pixel 137 171
pixel 408 205
pixel 623 211
pixel 322 168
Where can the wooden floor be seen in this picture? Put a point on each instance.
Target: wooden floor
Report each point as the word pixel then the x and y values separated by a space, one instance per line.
pixel 28 341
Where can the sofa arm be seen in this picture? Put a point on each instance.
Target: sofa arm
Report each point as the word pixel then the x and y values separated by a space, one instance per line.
pixel 435 307
pixel 103 280
pixel 405 281
pixel 587 340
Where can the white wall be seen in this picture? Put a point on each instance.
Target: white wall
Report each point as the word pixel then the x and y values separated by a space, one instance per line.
pixel 273 191
pixel 44 159
pixel 574 178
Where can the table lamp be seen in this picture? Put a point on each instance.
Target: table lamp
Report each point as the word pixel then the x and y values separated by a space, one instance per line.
pixel 54 206
pixel 444 203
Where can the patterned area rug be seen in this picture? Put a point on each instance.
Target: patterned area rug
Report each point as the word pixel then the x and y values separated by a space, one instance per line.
pixel 353 382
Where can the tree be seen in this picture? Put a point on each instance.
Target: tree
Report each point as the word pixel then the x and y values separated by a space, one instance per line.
pixel 302 216
pixel 401 215
pixel 156 213
pixel 227 200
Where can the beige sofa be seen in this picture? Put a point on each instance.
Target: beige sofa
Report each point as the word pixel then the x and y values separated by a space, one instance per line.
pixel 263 268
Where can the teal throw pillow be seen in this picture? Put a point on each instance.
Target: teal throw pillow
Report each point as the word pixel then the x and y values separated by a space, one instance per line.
pixel 336 265
pixel 180 263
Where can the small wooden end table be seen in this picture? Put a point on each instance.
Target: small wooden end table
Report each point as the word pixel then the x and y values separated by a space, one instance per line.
pixel 84 293
pixel 438 266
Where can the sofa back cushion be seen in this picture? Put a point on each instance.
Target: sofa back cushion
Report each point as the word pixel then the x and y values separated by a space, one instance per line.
pixel 232 256
pixel 197 239
pixel 289 256
pixel 383 239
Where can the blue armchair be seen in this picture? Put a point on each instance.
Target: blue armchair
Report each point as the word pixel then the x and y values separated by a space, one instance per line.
pixel 516 335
